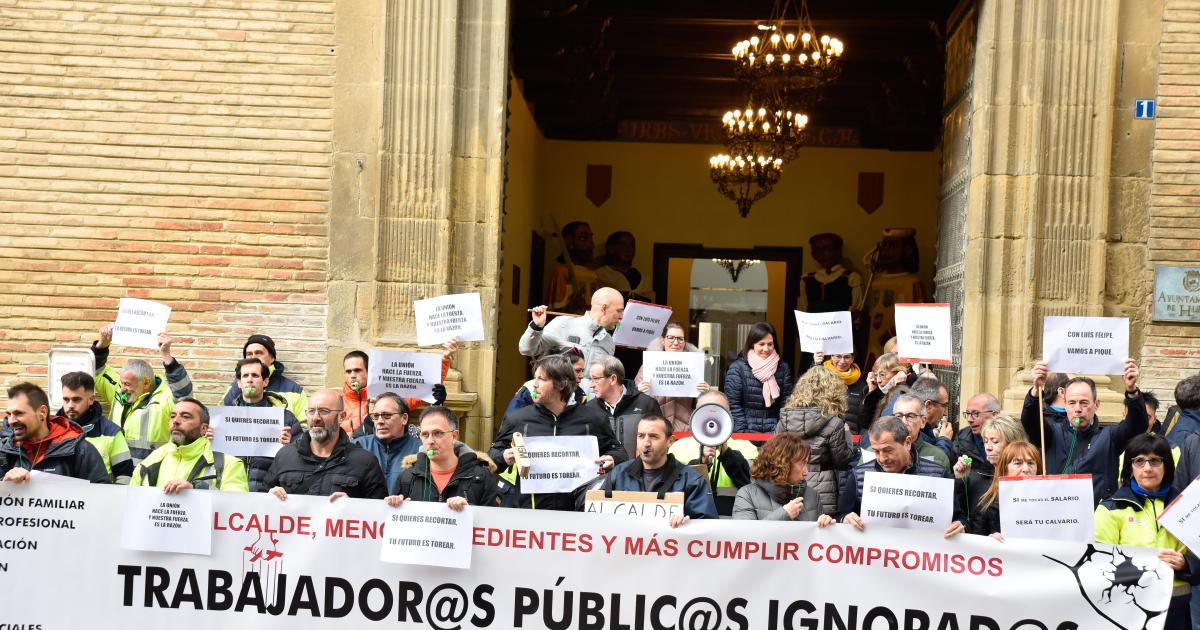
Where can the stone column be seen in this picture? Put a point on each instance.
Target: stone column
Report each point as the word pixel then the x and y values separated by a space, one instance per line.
pixel 418 180
pixel 1041 128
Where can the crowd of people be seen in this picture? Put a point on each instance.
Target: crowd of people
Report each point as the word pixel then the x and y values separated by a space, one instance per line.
pixel 812 440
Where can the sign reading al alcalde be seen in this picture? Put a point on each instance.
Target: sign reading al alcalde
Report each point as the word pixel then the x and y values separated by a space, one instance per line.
pixel 1176 293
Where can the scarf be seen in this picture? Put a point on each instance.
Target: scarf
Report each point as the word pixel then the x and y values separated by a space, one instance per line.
pixel 1138 491
pixel 849 378
pixel 764 371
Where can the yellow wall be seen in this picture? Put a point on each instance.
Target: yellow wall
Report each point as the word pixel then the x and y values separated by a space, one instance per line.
pixel 662 193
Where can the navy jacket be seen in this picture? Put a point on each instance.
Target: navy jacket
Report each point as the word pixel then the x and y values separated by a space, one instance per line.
pixel 697 499
pixel 744 391
pixel 1093 450
pixel 850 498
pixel 390 455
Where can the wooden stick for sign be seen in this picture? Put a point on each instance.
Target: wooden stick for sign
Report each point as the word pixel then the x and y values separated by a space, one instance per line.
pixel 556 313
pixel 520 455
pixel 1042 429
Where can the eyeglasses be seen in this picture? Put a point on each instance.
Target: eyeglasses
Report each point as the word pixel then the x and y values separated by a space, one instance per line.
pixel 907 416
pixel 1142 462
pixel 321 411
pixel 674 339
pixel 432 435
pixel 976 414
pixel 384 415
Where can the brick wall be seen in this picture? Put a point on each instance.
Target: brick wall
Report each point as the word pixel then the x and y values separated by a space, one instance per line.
pixel 169 150
pixel 1173 351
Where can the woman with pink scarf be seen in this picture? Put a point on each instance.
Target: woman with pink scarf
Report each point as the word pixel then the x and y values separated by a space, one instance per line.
pixel 758 383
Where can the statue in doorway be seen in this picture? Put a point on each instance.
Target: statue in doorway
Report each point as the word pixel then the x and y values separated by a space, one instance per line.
pixel 894 264
pixel 572 280
pixel 832 287
pixel 618 271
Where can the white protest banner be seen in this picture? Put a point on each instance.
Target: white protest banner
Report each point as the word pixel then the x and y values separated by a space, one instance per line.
pixel 829 333
pixel 64 361
pixel 176 523
pixel 1182 516
pixel 1086 345
pixel 907 501
pixel 673 373
pixel 641 324
pixel 139 322
pixel 428 533
pixel 1049 507
pixel 246 431
pixel 443 318
pixel 410 374
pixel 633 504
pixel 923 333
pixel 307 563
pixel 49 477
pixel 560 463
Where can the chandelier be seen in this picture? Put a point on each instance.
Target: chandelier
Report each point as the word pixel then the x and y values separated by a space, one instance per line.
pixel 763 132
pixel 735 267
pixel 745 179
pixel 787 62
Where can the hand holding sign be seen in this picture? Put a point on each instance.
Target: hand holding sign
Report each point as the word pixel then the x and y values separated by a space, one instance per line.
pixel 139 323
pixel 447 317
pixel 1086 345
pixel 923 333
pixel 409 374
pixel 677 374
pixel 641 324
pixel 828 333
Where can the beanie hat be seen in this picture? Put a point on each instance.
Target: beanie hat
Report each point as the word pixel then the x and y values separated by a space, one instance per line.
pixel 261 340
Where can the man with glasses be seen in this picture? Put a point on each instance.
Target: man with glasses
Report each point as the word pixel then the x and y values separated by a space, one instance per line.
pixel 323 461
pixel 980 408
pixel 391 442
pixel 935 398
pixel 911 410
pixel 446 470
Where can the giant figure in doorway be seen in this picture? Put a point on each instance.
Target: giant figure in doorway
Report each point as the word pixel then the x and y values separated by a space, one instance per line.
pixel 832 287
pixel 894 264
pixel 572 281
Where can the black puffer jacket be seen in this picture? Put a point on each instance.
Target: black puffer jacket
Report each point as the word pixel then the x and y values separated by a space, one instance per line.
pixel 472 480
pixel 964 444
pixel 830 449
pixel 746 404
pixel 857 415
pixel 348 469
pixel 67 453
pixel 535 420
pixel 971 490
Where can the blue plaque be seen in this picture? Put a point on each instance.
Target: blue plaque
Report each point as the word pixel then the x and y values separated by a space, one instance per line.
pixel 1176 293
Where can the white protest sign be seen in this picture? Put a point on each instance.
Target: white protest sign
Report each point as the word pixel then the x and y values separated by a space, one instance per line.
pixel 176 523
pixel 1182 516
pixel 1086 345
pixel 673 373
pixel 1050 507
pixel 641 324
pixel 923 333
pixel 907 501
pixel 559 463
pixel 139 322
pixel 427 533
pixel 49 477
pixel 829 333
pixel 64 361
pixel 246 431
pixel 443 318
pixel 632 504
pixel 409 374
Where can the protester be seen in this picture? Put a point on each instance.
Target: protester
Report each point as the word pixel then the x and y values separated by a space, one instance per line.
pixel 1054 403
pixel 36 440
pixel 391 442
pixel 845 368
pixel 968 442
pixel 893 443
pixel 1183 419
pixel 728 464
pixel 591 332
pixel 973 478
pixel 655 470
pixel 1083 445
pixel 262 347
pixel 355 368
pixel 935 398
pixel 887 379
pixel 1130 517
pixel 815 413
pixel 138 401
pixel 81 407
pixel 524 396
pixel 1152 405
pixel 911 410
pixel 251 379
pixel 619 400
pixel 189 461
pixel 779 490
pixel 1018 459
pixel 677 409
pixel 552 414
pixel 323 461
pixel 445 470
pixel 758 382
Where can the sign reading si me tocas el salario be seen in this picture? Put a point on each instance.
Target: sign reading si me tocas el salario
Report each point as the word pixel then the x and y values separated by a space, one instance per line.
pixel 308 563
